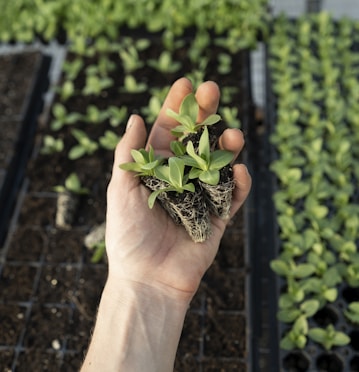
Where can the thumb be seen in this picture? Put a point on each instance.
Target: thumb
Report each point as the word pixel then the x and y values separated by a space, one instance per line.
pixel 134 138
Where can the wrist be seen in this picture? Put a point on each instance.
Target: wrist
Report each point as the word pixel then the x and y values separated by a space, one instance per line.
pixel 137 329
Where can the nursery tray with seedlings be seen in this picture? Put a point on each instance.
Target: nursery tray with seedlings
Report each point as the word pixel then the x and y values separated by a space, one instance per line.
pixel 23 79
pixel 313 110
pixel 50 282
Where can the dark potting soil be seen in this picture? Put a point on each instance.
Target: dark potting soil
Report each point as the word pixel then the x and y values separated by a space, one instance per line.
pixel 49 288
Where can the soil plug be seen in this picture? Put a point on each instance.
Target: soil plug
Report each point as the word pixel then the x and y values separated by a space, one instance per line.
pixel 67 204
pixel 219 197
pixel 68 200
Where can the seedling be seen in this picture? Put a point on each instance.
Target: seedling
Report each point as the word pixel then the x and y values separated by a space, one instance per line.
pixel 109 140
pixel 352 313
pixel 94 115
pixel 72 68
pixel 187 117
pixel 144 163
pixel 117 115
pixel 173 174
pixel 96 84
pixel 206 165
pixel 165 63
pixel 85 145
pixel 297 336
pixel 62 117
pixel 72 185
pixel 52 145
pixel 132 86
pixel 230 116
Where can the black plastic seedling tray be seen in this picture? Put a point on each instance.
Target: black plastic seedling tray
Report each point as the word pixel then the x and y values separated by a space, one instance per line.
pixel 18 126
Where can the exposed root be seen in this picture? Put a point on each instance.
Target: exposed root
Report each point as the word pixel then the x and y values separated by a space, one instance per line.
pixel 219 197
pixel 188 209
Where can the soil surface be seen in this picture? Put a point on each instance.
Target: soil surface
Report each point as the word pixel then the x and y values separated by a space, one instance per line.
pixel 49 287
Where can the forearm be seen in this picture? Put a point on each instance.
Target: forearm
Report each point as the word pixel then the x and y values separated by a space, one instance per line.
pixel 136 330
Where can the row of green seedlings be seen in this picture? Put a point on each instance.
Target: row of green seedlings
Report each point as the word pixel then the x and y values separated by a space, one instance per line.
pixel 25 20
pixel 99 81
pixel 315 80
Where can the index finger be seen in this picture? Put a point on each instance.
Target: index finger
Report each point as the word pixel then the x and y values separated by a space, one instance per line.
pixel 207 96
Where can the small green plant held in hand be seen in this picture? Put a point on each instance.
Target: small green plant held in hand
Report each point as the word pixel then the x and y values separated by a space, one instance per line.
pixel 144 163
pixel 173 175
pixel 196 181
pixel 206 165
pixel 187 117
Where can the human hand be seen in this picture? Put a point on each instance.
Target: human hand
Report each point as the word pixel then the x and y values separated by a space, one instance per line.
pixel 143 245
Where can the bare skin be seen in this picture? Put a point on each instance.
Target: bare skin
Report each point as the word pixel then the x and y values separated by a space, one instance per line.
pixel 154 266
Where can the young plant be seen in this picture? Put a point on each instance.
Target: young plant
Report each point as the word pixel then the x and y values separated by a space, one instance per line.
pixel 187 117
pixel 85 145
pixel 145 162
pixel 72 68
pixel 62 117
pixel 352 313
pixel 66 90
pixel 94 115
pixel 96 84
pixel 165 63
pixel 130 59
pixel 117 115
pixel 52 145
pixel 328 337
pixel 230 116
pixel 174 175
pixel 206 165
pixel 109 140
pixel 131 85
pixel 73 185
pixel 297 336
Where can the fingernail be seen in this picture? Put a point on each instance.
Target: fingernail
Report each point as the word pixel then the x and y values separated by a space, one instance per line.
pixel 130 122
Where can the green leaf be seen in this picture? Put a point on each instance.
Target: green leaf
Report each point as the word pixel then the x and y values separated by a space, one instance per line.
pixel 195 173
pixel 177 148
pixel 303 270
pixel 163 173
pixel 331 294
pixel 288 315
pixel 153 196
pixel 220 158
pixel 280 267
pixel 76 152
pixel 176 170
pixel 189 187
pixel 138 156
pixel 189 106
pixel 301 325
pixel 210 120
pixel 310 307
pixel 286 343
pixel 341 339
pixel 200 162
pixel 204 147
pixel 210 177
pixel 131 166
